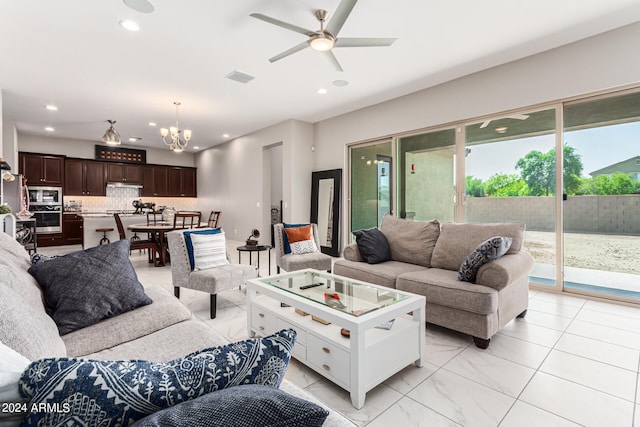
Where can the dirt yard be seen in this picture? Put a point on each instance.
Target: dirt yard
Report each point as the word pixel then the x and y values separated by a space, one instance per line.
pixel 592 251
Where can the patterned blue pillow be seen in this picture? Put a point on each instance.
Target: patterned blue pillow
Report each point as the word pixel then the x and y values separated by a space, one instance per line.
pixel 487 251
pixel 109 393
pixel 247 405
pixel 38 257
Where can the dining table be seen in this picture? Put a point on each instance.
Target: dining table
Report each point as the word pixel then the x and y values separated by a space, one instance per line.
pixel 157 233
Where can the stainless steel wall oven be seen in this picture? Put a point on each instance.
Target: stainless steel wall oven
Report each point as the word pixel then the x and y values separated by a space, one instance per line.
pixel 46 205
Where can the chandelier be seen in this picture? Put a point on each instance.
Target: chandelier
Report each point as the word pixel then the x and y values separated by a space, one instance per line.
pixel 176 143
pixel 111 136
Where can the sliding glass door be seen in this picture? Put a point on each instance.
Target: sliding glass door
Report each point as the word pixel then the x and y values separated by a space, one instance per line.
pixel 510 174
pixel 426 178
pixel 602 207
pixel 371 181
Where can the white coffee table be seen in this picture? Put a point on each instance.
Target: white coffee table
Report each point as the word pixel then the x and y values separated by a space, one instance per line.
pixel 357 363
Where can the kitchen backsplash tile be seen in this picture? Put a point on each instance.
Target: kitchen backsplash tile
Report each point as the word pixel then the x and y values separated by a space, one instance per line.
pixel 122 199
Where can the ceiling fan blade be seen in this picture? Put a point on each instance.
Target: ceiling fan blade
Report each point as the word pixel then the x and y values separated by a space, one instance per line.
pixel 291 51
pixel 340 16
pixel 332 59
pixel 363 42
pixel 282 24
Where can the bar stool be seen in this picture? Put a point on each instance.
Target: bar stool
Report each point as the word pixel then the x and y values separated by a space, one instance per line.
pixel 104 231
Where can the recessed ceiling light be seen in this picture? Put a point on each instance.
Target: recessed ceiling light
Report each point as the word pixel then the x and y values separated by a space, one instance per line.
pixel 49 129
pixel 322 91
pixel 225 135
pixel 196 147
pixel 153 124
pixel 340 83
pixel 134 138
pixel 130 25
pixel 502 129
pixel 51 108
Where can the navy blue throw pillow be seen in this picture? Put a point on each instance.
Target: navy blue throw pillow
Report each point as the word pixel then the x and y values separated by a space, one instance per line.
pixel 373 245
pixel 85 287
pixel 247 405
pixel 117 393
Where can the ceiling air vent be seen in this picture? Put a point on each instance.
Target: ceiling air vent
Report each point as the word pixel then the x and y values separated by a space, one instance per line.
pixel 239 76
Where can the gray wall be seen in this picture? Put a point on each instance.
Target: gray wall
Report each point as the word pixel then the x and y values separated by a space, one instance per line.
pixel 236 177
pixel 582 214
pixel 86 149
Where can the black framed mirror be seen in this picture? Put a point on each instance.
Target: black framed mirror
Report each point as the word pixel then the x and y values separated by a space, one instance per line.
pixel 325 208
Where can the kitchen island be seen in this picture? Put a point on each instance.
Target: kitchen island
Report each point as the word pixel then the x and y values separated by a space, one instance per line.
pixel 93 221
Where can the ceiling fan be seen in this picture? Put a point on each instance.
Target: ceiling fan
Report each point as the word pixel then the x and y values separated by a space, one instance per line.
pixel 326 38
pixel 515 117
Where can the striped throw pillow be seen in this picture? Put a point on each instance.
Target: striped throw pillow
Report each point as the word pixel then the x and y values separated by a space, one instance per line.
pixel 209 250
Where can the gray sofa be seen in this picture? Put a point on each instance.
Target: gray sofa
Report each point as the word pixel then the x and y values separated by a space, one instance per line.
pixel 425 259
pixel 161 331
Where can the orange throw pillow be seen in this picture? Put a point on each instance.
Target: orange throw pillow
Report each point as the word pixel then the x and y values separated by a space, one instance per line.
pixel 299 233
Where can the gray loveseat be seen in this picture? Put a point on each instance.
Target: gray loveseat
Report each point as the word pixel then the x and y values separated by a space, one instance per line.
pixel 425 259
pixel 161 331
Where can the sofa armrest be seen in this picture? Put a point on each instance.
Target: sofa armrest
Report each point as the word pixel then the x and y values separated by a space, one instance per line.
pixel 351 253
pixel 505 270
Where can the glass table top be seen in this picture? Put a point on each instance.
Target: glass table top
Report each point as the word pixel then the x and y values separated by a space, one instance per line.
pixel 349 296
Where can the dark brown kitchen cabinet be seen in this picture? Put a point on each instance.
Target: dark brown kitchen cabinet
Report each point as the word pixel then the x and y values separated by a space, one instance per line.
pixel 72 229
pixel 181 182
pixel 155 181
pixel 85 178
pixel 42 169
pixel 122 172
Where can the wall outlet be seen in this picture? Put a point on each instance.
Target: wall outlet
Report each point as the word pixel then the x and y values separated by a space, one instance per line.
pixel 258 205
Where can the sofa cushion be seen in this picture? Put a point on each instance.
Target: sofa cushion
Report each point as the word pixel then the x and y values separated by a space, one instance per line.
pixel 27 328
pixel 487 251
pixel 165 311
pixel 84 287
pixel 16 260
pixel 165 344
pixel 247 405
pixel 442 287
pixel 383 274
pixel 457 240
pixel 373 245
pixel 128 390
pixel 410 241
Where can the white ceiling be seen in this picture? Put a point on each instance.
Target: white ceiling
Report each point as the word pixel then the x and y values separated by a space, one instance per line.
pixel 74 54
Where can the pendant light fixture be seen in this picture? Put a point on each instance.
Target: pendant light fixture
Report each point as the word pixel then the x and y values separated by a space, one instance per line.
pixel 111 136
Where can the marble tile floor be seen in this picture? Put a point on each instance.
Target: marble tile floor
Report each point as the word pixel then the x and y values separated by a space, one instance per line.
pixel 571 361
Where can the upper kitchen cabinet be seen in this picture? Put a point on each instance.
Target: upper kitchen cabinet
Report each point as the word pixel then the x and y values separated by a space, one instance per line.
pixel 123 172
pixel 42 169
pixel 85 178
pixel 169 181
pixel 181 182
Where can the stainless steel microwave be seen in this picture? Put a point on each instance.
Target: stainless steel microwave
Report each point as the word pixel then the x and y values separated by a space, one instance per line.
pixel 45 196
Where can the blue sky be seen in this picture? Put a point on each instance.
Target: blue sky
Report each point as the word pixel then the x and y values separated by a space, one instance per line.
pixel 598 148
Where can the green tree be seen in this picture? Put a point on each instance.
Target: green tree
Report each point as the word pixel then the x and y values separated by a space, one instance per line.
pixel 614 184
pixel 538 170
pixel 503 185
pixel 474 186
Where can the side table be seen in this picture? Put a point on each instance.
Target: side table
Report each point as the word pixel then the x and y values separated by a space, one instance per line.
pixel 251 250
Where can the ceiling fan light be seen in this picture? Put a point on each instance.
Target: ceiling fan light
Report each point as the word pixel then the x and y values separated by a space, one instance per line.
pixel 322 43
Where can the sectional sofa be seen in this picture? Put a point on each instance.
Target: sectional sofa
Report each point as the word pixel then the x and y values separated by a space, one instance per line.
pixel 161 331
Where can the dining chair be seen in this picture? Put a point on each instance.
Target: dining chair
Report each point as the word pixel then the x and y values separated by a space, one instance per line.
pixel 154 217
pixel 214 219
pixel 150 244
pixel 186 220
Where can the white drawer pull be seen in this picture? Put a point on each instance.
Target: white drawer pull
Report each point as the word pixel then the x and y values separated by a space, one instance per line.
pixel 326 367
pixel 261 314
pixel 326 350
